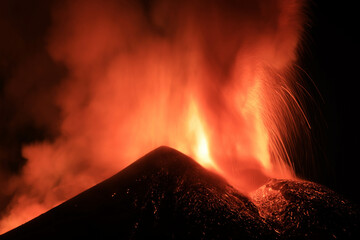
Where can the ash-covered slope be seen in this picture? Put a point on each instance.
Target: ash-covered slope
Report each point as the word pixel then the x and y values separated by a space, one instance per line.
pixel 164 194
pixel 167 195
pixel 306 210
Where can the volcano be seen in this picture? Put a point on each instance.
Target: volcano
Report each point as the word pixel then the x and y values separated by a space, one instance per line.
pixel 166 194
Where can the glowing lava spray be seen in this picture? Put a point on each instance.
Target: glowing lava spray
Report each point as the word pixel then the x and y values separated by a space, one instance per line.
pixel 213 79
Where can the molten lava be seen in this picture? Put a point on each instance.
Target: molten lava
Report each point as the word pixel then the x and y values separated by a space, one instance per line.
pixel 199 139
pixel 197 76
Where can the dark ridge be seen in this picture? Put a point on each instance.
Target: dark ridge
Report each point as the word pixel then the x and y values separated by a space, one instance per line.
pixel 306 210
pixel 164 194
pixel 167 195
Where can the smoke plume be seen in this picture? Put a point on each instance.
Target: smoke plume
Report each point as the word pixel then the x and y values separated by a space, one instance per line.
pixel 107 81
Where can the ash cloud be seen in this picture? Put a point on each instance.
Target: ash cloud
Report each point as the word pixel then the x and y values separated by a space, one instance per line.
pixel 76 77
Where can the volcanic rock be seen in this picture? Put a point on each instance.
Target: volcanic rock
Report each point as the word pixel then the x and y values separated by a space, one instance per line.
pixel 305 210
pixel 167 195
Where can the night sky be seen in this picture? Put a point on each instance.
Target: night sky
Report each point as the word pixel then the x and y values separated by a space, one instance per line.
pixel 331 58
pixel 329 55
pixel 24 97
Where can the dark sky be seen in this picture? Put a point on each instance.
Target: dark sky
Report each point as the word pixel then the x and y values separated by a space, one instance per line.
pixel 27 109
pixel 330 56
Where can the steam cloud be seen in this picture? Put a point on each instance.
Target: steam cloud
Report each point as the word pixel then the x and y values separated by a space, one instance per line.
pixel 81 89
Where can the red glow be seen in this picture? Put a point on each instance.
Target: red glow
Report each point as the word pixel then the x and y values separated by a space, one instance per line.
pixel 193 76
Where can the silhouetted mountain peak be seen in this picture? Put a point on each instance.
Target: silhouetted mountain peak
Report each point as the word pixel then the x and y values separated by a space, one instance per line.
pixel 167 195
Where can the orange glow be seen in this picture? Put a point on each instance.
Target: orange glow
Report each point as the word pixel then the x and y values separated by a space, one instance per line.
pixel 200 146
pixel 192 75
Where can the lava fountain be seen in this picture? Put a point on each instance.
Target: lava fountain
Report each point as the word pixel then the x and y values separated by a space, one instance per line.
pixel 212 79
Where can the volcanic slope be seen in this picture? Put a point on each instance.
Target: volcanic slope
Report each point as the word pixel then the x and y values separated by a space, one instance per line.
pixel 167 195
pixel 164 194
